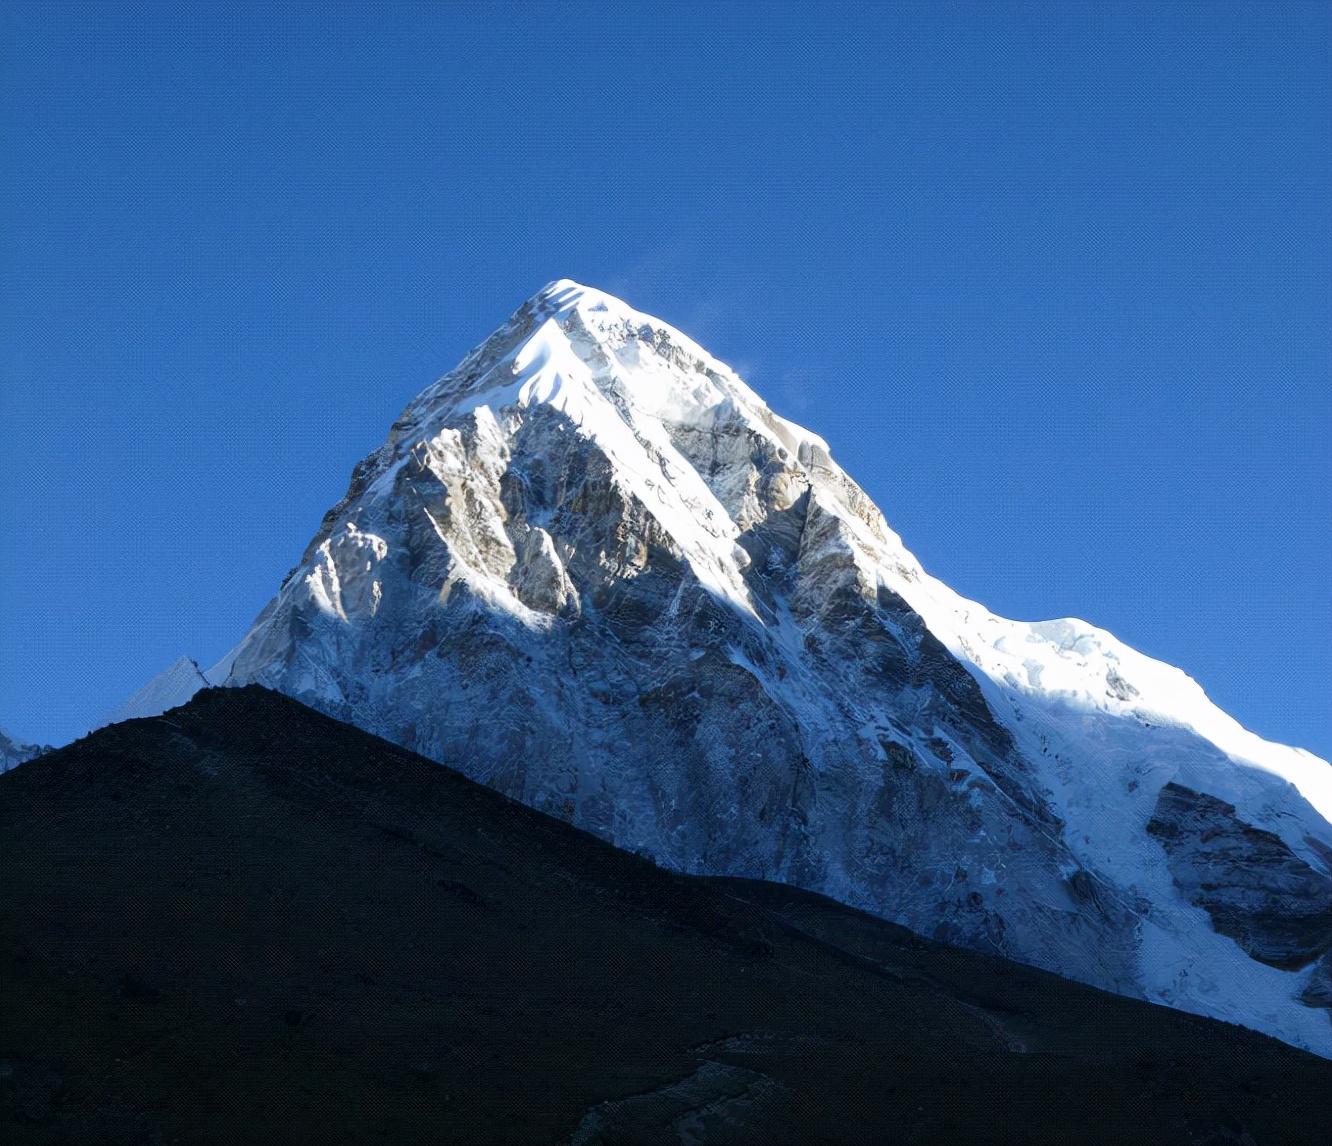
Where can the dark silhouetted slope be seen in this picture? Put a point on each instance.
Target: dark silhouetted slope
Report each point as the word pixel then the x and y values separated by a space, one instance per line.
pixel 246 922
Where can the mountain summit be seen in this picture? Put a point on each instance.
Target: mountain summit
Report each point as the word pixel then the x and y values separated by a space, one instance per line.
pixel 591 568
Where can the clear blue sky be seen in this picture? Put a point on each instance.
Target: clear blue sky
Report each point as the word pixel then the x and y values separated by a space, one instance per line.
pixel 1054 280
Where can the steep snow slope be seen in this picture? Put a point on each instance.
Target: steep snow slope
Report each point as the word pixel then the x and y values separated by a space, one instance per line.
pixel 592 568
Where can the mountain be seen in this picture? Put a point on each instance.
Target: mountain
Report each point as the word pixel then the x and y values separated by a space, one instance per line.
pixel 246 922
pixel 173 686
pixel 590 568
pixel 12 753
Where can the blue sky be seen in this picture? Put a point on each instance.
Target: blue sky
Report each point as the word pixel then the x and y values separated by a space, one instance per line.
pixel 1054 280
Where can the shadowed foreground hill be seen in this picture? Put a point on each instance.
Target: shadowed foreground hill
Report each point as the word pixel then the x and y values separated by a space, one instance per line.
pixel 245 921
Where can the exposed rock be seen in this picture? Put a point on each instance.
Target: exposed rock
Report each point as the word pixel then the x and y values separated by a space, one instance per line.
pixel 1257 891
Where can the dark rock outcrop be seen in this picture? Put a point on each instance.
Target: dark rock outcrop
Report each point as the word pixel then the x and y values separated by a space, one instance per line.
pixel 1257 891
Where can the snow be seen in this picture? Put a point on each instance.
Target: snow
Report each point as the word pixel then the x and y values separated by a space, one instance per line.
pixel 172 687
pixel 1072 692
pixel 1075 663
pixel 1067 660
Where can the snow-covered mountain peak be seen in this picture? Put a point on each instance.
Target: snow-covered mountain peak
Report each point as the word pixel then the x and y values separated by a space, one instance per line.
pixel 591 567
pixel 572 336
pixel 563 295
pixel 679 431
pixel 173 686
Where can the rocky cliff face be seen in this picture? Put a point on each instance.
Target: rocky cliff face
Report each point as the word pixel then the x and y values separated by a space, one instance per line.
pixel 591 568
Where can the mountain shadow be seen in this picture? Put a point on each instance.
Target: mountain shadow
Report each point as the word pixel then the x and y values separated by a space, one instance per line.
pixel 247 922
